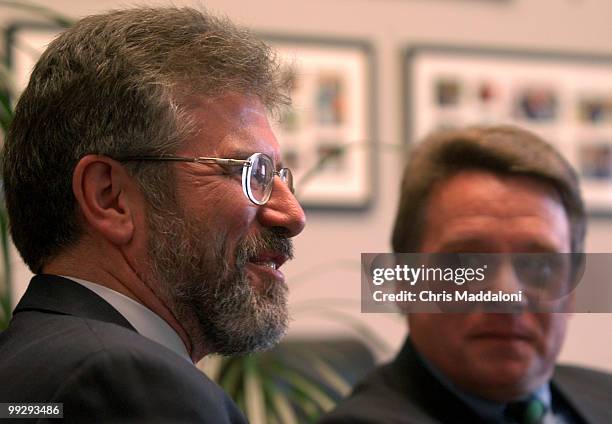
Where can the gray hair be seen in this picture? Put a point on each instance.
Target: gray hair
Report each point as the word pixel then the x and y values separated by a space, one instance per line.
pixel 117 84
pixel 505 150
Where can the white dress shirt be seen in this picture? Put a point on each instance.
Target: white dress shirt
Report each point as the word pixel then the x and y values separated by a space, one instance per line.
pixel 145 321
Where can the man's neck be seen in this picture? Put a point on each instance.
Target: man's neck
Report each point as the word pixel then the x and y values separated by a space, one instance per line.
pixel 122 279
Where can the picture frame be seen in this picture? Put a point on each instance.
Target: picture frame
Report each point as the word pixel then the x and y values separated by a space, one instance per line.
pixel 327 137
pixel 328 134
pixel 565 98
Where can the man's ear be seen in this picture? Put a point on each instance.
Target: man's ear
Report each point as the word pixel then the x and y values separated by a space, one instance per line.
pixel 107 197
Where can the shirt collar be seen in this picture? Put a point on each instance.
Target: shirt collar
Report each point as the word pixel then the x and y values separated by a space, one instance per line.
pixel 145 321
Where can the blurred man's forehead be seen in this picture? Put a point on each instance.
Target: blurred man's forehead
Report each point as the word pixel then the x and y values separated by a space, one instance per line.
pixel 479 209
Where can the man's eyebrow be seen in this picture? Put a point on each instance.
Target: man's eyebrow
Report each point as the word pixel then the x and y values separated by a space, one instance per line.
pixel 469 242
pixel 542 246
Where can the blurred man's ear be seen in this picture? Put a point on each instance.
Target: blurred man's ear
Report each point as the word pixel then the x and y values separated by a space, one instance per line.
pixel 106 196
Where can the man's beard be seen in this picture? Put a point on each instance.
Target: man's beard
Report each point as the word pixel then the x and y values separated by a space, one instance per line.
pixel 191 263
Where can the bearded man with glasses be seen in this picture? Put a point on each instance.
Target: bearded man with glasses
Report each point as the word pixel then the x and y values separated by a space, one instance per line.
pixel 144 188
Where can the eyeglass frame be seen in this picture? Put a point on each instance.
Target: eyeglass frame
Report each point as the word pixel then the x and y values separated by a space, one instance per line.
pixel 284 174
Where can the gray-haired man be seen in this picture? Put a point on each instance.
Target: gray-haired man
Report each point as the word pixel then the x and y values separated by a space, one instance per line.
pixel 143 186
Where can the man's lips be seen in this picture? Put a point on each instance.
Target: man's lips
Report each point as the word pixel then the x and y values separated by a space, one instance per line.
pixel 502 335
pixel 272 260
pixel 267 265
pixel 504 327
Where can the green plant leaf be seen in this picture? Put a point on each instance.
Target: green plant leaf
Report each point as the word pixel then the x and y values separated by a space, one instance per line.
pixel 6 112
pixel 308 407
pixel 232 375
pixel 307 388
pixel 280 404
pixel 40 11
pixel 329 375
pixel 255 406
pixel 239 399
pixel 271 418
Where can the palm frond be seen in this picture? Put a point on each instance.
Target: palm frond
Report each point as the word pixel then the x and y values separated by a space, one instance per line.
pixel 39 11
pixel 255 406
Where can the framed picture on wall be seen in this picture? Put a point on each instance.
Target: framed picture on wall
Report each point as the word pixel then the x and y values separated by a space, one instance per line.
pixel 327 135
pixel 566 99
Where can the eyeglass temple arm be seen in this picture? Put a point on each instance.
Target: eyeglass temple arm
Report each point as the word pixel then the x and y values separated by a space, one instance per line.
pixel 198 159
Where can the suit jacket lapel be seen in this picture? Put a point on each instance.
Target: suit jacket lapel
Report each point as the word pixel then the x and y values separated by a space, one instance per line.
pixel 581 396
pixel 60 295
pixel 412 377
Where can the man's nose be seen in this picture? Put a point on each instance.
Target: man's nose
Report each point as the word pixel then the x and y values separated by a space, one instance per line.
pixel 282 210
pixel 506 279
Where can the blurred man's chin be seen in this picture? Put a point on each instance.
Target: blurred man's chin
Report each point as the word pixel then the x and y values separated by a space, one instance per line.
pixel 512 374
pixel 498 350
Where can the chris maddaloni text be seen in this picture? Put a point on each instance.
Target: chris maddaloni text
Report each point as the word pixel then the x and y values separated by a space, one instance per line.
pixel 444 296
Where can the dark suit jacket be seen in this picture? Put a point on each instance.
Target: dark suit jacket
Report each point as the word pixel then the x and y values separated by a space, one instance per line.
pixel 66 344
pixel 404 391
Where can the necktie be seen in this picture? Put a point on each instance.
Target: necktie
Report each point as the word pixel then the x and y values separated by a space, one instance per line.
pixel 529 411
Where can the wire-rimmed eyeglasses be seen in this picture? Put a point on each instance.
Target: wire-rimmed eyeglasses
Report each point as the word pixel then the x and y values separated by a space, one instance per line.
pixel 257 172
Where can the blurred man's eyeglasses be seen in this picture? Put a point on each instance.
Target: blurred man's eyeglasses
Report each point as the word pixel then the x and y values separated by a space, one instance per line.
pixel 257 172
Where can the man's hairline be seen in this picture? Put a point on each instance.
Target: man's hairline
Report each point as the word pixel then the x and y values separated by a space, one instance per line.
pixel 449 174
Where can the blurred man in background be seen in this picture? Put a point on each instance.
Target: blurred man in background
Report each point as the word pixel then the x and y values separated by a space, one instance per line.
pixel 143 186
pixel 484 190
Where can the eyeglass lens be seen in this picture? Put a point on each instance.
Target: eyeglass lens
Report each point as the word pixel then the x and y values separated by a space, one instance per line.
pixel 260 174
pixel 258 178
pixel 550 272
pixel 287 177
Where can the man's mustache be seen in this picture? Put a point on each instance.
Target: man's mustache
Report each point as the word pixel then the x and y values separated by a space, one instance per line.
pixel 268 240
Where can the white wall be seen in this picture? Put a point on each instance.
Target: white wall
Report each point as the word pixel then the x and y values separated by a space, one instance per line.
pixel 390 25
